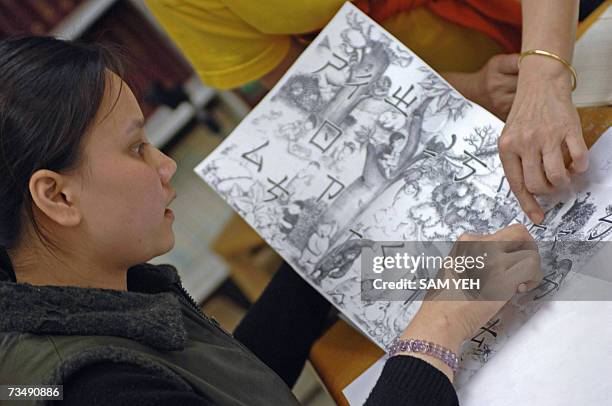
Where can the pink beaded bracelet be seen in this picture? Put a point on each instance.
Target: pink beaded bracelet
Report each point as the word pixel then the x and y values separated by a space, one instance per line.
pixel 437 351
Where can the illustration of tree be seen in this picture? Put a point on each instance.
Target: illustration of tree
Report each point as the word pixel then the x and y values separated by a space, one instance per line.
pixel 365 59
pixel 373 182
pixel 447 98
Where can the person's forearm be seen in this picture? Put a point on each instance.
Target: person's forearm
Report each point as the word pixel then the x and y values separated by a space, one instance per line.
pixel 548 25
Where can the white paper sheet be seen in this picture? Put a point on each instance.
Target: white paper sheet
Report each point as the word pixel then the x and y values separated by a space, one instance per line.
pixel 593 63
pixel 357 391
pixel 561 357
pixel 600 160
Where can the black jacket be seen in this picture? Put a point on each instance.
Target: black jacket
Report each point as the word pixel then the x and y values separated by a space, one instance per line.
pixel 279 329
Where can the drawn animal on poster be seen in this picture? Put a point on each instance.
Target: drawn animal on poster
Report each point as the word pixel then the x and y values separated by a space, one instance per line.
pixel 338 261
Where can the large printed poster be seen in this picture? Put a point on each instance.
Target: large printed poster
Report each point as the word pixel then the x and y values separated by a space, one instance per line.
pixel 361 141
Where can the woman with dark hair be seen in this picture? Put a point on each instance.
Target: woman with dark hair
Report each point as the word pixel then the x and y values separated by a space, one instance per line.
pixel 85 204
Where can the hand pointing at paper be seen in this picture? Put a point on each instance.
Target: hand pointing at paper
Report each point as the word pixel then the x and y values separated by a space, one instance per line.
pixel 543 124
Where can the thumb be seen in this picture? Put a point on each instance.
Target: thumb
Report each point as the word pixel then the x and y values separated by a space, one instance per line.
pixel 527 286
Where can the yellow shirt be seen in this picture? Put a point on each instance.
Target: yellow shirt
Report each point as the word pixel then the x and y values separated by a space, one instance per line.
pixel 232 42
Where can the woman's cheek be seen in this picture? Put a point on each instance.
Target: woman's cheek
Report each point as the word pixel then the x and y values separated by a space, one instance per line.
pixel 127 202
pixel 152 199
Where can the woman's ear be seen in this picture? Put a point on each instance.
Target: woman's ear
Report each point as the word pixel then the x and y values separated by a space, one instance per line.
pixel 54 198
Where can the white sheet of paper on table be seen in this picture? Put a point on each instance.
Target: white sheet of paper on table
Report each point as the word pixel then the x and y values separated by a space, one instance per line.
pixel 357 391
pixel 593 63
pixel 548 362
pixel 600 160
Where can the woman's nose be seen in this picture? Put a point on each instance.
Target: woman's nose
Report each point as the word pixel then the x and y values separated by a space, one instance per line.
pixel 167 168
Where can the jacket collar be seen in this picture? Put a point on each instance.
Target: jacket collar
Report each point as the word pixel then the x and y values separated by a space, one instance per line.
pixel 149 312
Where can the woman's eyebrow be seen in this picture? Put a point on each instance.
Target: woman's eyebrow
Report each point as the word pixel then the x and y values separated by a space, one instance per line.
pixel 136 124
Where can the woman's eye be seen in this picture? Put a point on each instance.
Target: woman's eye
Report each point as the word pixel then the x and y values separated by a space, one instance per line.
pixel 139 148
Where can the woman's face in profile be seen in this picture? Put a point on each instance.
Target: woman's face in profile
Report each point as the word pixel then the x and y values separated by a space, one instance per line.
pixel 125 184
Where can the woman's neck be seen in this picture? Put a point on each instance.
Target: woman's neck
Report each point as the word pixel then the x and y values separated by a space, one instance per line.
pixel 44 268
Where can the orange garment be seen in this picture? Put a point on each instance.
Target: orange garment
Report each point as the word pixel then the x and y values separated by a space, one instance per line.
pixel 499 19
pixel 232 42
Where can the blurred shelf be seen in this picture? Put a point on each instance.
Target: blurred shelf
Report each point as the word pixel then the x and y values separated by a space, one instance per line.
pixel 198 93
pixel 83 17
pixel 165 122
pixel 239 107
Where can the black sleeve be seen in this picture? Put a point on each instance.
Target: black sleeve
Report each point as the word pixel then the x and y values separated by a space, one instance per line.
pixel 283 324
pixel 411 381
pixel 119 384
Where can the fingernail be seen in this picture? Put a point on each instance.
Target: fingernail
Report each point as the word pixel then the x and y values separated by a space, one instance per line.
pixel 522 288
pixel 573 168
pixel 536 217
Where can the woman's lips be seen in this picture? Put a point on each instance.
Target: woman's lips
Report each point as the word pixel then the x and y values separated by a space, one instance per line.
pixel 168 212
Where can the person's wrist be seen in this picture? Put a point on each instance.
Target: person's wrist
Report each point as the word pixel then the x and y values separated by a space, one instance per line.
pixel 436 323
pixel 478 89
pixel 540 71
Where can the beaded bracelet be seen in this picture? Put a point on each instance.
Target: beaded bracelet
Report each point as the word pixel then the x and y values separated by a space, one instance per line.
pixel 437 351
